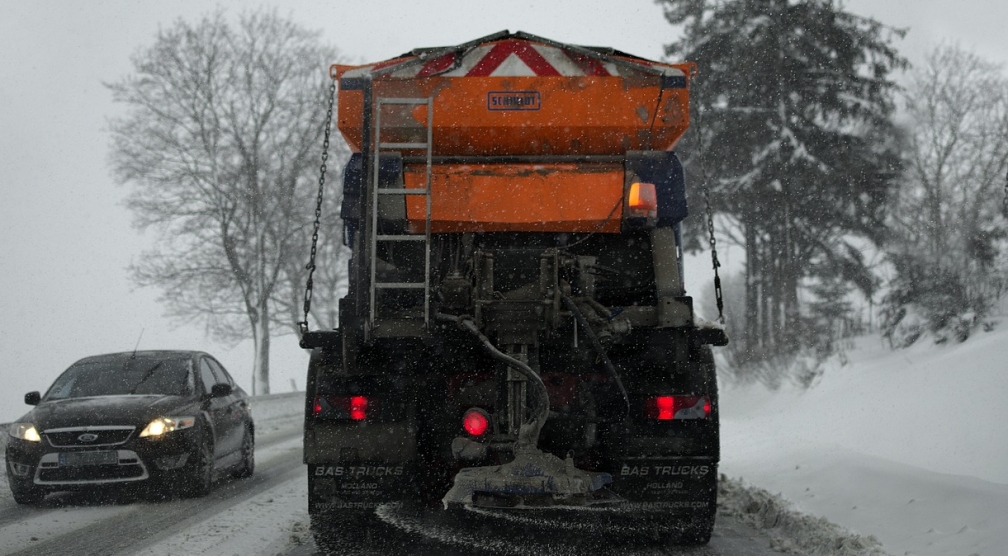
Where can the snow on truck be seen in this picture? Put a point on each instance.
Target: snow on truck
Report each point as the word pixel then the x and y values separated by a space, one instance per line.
pixel 516 332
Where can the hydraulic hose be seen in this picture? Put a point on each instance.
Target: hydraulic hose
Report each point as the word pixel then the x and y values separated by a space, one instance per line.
pixel 529 435
pixel 597 345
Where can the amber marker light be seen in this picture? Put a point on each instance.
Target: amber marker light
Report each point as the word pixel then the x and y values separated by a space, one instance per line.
pixel 643 200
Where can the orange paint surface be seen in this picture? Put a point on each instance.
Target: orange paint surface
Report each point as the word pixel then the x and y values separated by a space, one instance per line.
pixel 518 197
pixel 584 115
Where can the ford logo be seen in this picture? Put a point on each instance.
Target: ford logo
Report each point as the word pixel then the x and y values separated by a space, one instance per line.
pixel 88 437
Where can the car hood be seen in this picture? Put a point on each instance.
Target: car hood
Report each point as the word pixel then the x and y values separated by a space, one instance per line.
pixel 107 410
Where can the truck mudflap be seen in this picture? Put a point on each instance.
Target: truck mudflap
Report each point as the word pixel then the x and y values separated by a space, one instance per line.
pixel 358 486
pixel 668 485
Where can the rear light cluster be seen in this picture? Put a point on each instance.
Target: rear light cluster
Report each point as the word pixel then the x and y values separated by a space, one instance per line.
pixel 476 422
pixel 353 408
pixel 668 408
pixel 642 200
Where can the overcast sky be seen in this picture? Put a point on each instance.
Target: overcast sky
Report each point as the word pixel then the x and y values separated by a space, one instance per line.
pixel 65 238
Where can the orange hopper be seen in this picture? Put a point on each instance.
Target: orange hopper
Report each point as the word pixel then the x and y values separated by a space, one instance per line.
pixel 528 134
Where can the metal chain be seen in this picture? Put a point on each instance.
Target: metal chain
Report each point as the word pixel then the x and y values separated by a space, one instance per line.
pixel 310 267
pixel 718 294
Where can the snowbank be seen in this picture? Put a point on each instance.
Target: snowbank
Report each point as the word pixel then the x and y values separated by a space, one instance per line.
pixel 903 445
pixel 791 531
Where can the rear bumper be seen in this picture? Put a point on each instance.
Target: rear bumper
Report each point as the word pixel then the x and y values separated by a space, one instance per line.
pixel 665 485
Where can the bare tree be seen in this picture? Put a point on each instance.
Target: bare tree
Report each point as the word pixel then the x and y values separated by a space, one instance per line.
pixel 957 105
pixel 220 142
pixel 331 272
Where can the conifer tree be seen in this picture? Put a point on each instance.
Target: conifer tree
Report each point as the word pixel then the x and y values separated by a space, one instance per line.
pixel 791 127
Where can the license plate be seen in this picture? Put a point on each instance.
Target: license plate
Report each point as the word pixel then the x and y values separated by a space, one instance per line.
pixel 80 459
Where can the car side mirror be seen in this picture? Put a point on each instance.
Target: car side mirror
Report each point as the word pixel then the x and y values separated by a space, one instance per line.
pixel 32 398
pixel 220 390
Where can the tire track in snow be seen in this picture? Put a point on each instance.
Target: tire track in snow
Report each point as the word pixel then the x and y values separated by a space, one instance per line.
pixel 396 531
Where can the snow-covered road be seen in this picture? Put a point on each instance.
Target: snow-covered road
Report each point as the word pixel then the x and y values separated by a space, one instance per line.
pixel 902 452
pixel 267 515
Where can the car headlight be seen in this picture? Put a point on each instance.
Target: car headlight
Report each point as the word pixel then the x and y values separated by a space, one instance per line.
pixel 25 431
pixel 162 425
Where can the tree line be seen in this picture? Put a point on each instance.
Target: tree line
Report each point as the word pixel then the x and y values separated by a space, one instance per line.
pixel 823 165
pixel 836 176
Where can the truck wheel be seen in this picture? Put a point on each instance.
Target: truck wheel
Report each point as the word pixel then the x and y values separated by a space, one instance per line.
pixel 346 531
pixel 696 529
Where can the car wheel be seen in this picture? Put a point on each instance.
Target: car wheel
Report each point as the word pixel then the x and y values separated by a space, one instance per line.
pixel 247 465
pixel 200 476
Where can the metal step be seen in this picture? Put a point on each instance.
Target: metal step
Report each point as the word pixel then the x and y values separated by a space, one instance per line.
pixel 400 327
pixel 401 237
pixel 400 191
pixel 397 146
pixel 400 285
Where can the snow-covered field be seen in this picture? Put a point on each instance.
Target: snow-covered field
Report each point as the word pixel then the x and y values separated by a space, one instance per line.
pixel 908 446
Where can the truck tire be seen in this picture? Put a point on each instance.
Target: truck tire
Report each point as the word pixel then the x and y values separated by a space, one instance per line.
pixel 346 531
pixel 335 530
pixel 698 531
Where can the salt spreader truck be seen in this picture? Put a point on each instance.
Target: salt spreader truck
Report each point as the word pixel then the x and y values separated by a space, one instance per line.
pixel 516 332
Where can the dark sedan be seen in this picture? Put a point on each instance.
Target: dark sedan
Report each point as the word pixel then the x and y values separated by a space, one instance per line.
pixel 169 421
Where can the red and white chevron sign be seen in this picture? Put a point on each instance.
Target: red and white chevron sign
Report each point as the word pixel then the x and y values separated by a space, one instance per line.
pixel 503 58
pixel 515 57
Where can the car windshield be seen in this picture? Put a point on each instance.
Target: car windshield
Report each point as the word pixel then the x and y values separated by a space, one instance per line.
pixel 143 376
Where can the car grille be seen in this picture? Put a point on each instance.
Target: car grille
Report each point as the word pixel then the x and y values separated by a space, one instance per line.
pixel 104 436
pixel 90 473
pixel 129 467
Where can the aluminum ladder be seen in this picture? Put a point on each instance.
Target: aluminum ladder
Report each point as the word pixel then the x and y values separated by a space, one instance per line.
pixel 375 320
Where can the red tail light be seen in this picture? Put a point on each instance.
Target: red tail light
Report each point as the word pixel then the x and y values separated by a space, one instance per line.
pixel 667 408
pixel 358 408
pixel 354 408
pixel 475 422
